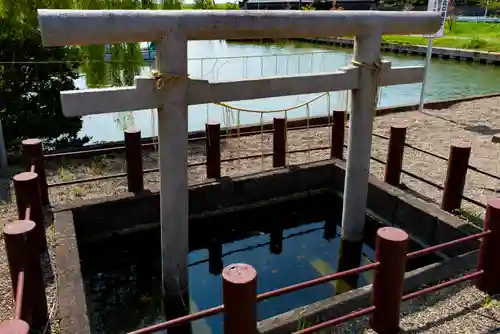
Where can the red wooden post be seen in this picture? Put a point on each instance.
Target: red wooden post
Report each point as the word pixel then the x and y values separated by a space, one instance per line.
pixel 26 187
pixel 33 155
pixel 23 255
pixel 338 130
pixel 387 288
pixel 395 155
pixel 458 163
pixel 15 326
pixel 212 132
pixel 239 295
pixel 489 253
pixel 279 142
pixel 133 156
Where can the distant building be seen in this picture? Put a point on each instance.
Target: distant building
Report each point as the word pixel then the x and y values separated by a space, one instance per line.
pixel 318 5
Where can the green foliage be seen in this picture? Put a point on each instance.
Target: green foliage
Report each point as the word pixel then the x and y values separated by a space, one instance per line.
pixel 228 6
pixel 221 6
pixel 489 4
pixel 490 302
pixel 203 4
pixel 463 35
pixel 450 23
pixel 471 217
pixel 116 64
pixel 170 4
pixel 303 324
pixel 31 78
pixel 476 43
pixel 29 92
pixel 480 29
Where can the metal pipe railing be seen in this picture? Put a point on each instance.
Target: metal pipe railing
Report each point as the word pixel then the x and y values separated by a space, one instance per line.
pixel 442 285
pixel 317 281
pixel 436 248
pixel 18 297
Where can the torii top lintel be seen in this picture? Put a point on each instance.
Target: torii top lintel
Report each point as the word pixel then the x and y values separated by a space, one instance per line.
pixel 83 27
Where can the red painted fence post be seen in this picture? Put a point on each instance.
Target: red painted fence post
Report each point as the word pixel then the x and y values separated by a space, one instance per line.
pixel 458 163
pixel 489 253
pixel 23 255
pixel 33 155
pixel 14 326
pixel 239 295
pixel 395 155
pixel 26 187
pixel 338 131
pixel 212 144
pixel 279 142
pixel 133 157
pixel 387 288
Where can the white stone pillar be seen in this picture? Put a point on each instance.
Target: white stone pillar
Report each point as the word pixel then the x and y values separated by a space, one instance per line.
pixel 171 53
pixel 366 51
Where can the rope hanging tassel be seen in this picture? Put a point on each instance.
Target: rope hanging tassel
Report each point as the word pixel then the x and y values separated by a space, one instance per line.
pixel 238 124
pixel 330 123
pixel 262 141
pixel 286 137
pixel 270 111
pixel 308 114
pixel 155 74
pixel 228 119
pixel 376 68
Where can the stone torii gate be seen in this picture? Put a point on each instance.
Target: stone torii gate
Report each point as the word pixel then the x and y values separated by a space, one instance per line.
pixel 172 91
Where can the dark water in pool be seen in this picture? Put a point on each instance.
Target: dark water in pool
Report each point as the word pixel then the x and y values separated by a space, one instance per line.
pixel 123 281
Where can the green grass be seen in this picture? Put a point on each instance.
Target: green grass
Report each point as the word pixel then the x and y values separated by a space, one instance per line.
pixel 221 6
pixel 473 218
pixel 463 35
pixel 303 324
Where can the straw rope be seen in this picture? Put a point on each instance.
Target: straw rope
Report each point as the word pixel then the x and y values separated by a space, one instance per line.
pixel 163 79
pixel 376 67
pixel 228 106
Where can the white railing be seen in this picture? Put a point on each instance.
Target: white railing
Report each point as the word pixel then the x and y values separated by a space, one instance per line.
pixel 171 91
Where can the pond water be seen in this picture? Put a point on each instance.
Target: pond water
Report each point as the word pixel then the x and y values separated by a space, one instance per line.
pixel 221 60
pixel 123 281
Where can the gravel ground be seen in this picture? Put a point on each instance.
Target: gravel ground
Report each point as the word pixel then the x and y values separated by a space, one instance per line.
pixel 457 309
pixel 435 130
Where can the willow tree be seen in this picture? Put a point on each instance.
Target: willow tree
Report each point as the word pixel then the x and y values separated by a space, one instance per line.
pixel 117 64
pixel 204 4
pixel 32 76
